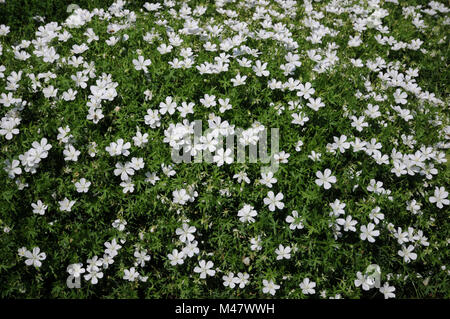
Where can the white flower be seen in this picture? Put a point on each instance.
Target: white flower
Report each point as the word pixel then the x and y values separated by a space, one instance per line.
pixel 368 232
pixel 169 106
pixel 128 186
pixel 82 186
pixel 298 146
pixel 186 233
pixel 176 258
pixel 270 287
pixel 267 179
pixel 281 157
pixel 39 207
pixel 66 205
pixel 283 252
pixel 255 243
pixel 242 176
pixel 12 168
pixel 366 282
pixel 299 118
pixel 274 201
pixel 186 108
pixel 130 274
pixel 315 104
pixel 152 118
pixel 407 254
pixel 107 260
pixel 140 139
pixel 8 127
pixel 325 178
pixel 204 268
pixel 35 257
pixel 180 196
pixel 376 187
pixel 141 257
pixel 119 148
pixel 229 280
pixel 247 213
pixel 223 156
pixel 124 170
pixel 440 197
pixel 238 80
pixel 76 270
pixel 387 291
pixel 191 249
pixel 112 248
pixel 338 208
pixel 141 64
pixel 359 123
pixel 21 251
pixel 119 224
pixel 348 223
pixel 70 153
pixel 307 287
pixel 260 69
pixel 151 178
pixel 341 143
pixel 208 100
pixel 400 97
pixel 294 220
pixel 402 237
pixel 137 163
pixel 241 279
pixel 305 91
pixel 375 215
pixel 94 273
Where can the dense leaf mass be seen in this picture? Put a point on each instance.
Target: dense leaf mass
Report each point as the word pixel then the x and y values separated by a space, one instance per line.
pixel 93 204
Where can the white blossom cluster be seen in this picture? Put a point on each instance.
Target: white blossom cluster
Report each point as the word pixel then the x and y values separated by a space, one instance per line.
pixel 348 149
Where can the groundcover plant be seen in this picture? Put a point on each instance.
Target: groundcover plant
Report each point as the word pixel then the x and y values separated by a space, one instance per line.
pixel 119 181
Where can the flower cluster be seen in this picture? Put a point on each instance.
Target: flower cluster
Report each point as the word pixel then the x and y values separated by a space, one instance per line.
pixel 95 110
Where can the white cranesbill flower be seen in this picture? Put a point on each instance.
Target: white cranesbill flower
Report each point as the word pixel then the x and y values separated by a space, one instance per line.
pixel 407 253
pixel 348 223
pixel 141 64
pixel 34 257
pixel 180 196
pixel 176 257
pixel 223 156
pixel 130 274
pixel 241 279
pixel 440 197
pixel 186 233
pixel 387 291
pixel 366 282
pixel 66 205
pixel 39 207
pixel 325 178
pixel 70 153
pixel 204 268
pixel 369 233
pixel 169 106
pixel 270 287
pixel 93 275
pixel 308 286
pixel 82 185
pixel 76 270
pixel 295 222
pixel 229 280
pixel 283 252
pixel 247 213
pixel 274 201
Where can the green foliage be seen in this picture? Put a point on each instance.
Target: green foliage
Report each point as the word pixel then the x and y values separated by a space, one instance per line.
pixel 69 237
